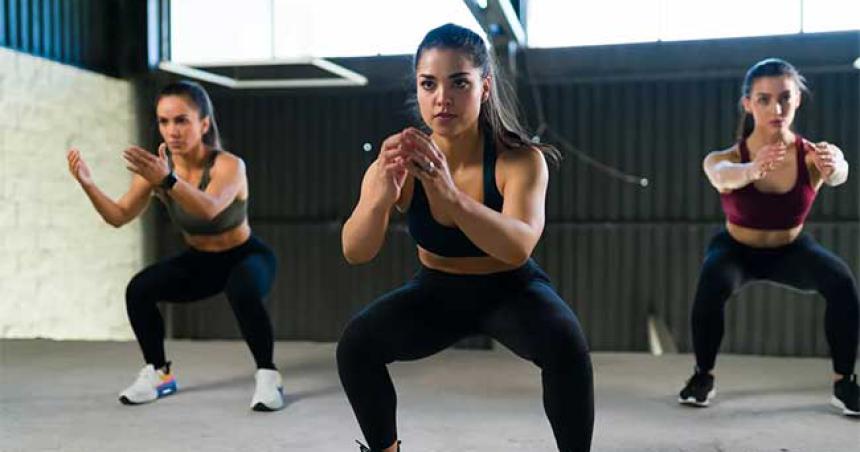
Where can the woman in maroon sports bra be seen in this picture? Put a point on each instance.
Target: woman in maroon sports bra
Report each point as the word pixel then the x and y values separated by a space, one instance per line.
pixel 767 183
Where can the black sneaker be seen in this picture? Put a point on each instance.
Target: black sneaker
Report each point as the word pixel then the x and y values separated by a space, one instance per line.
pixel 699 390
pixel 846 396
pixel 363 448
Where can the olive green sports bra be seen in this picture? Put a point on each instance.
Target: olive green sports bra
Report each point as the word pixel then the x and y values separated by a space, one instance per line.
pixel 232 216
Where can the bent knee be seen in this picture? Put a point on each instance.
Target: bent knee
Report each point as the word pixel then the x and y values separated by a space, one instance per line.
pixel 562 347
pixel 355 343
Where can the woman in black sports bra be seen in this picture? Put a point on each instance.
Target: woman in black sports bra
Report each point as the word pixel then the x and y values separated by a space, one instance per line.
pixel 205 191
pixel 473 191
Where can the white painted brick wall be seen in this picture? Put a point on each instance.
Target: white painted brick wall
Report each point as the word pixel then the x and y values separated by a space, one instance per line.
pixel 63 271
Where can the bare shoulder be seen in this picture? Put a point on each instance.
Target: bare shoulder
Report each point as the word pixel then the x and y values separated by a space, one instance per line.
pixel 520 167
pixel 523 160
pixel 228 162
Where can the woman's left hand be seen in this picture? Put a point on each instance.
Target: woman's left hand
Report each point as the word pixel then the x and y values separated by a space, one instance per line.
pixel 428 164
pixel 825 156
pixel 152 168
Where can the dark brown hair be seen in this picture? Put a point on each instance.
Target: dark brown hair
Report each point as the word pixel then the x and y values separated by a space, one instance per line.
pixel 200 98
pixel 499 113
pixel 770 67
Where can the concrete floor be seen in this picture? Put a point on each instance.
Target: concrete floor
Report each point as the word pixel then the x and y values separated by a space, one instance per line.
pixel 62 396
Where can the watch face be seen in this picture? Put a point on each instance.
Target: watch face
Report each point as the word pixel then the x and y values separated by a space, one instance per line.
pixel 169 181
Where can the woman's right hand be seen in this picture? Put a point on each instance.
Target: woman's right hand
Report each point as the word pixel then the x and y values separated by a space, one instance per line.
pixel 390 172
pixel 78 167
pixel 768 158
pixel 363 232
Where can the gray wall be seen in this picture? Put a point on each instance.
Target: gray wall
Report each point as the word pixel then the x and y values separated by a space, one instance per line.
pixel 615 251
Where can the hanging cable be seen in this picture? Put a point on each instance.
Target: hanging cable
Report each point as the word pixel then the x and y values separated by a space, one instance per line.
pixel 568 147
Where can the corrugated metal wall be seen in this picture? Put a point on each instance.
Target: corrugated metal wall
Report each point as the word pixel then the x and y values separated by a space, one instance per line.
pixel 305 157
pixel 662 130
pixel 615 251
pixel 619 251
pixel 615 274
pixel 107 36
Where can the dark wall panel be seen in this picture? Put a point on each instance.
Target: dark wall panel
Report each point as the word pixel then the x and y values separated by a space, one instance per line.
pixel 616 275
pixel 316 291
pixel 306 153
pixel 305 158
pixel 107 36
pixel 617 252
pixel 662 130
pixel 613 276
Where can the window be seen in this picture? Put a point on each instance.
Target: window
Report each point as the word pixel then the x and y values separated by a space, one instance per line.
pixel 205 31
pixel 220 30
pixel 555 23
pixel 831 15
pixel 685 19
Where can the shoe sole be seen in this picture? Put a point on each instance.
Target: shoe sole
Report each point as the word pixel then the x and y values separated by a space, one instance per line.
pixel 838 404
pixel 691 401
pixel 262 407
pixel 162 391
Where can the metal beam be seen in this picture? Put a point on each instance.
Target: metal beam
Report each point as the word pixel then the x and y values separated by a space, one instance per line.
pixel 503 27
pixel 347 76
pixel 158 32
pixel 499 20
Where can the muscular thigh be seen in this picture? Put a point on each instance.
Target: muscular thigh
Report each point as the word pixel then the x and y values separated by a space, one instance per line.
pixel 176 279
pixel 535 323
pixel 408 323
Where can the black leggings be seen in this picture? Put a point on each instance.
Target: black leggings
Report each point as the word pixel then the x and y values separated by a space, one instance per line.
pixel 803 264
pixel 243 273
pixel 434 310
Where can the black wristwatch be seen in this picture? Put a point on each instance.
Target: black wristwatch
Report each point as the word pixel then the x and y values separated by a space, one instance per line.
pixel 168 182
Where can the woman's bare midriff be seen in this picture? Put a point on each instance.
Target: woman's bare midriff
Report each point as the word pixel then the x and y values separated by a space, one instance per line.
pixel 220 242
pixel 761 238
pixel 482 265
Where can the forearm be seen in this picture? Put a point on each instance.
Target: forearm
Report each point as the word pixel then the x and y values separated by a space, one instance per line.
pixel 505 238
pixel 730 176
pixel 194 201
pixel 839 174
pixel 109 210
pixel 363 233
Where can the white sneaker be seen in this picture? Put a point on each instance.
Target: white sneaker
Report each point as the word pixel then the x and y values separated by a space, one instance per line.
pixel 269 392
pixel 150 385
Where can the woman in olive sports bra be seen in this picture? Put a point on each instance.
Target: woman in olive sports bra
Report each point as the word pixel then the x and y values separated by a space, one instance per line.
pixel 205 190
